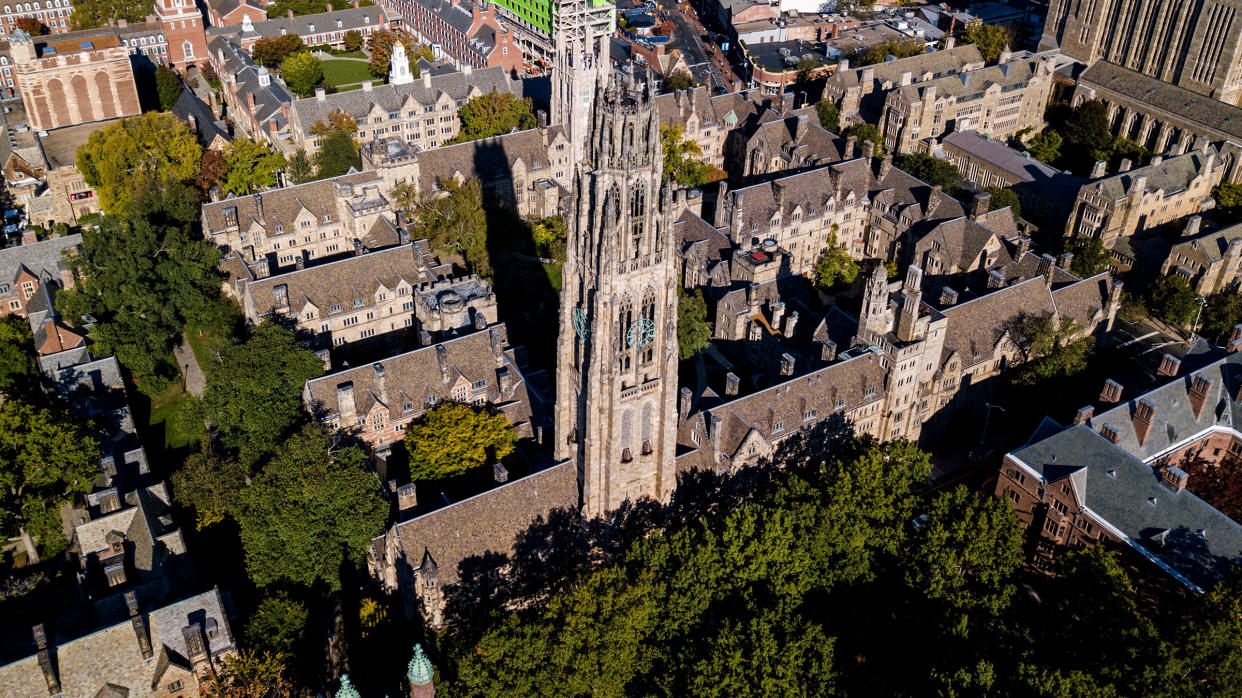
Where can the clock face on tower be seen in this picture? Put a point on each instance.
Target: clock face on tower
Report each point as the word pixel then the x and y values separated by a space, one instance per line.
pixel 641 332
pixel 581 325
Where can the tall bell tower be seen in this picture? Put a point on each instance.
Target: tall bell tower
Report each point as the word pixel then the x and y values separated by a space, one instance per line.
pixel 616 408
pixel 581 49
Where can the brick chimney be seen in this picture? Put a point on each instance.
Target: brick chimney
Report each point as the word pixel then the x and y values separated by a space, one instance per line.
pixel 1084 414
pixel 980 206
pixel 1110 432
pixel 1111 391
pixel 1144 418
pixel 1200 389
pixel 1169 365
pixel 1174 478
pixel 1235 339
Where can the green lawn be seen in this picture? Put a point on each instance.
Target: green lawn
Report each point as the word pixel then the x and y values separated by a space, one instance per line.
pixel 554 275
pixel 345 72
pixel 225 325
pixel 358 86
pixel 164 417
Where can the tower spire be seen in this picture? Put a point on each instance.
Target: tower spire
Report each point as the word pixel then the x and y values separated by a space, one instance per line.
pixel 420 673
pixel 399 66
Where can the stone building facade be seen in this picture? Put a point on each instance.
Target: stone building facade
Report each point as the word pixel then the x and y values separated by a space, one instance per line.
pixel 1130 202
pixel 305 222
pixel 1210 260
pixel 25 268
pixel 617 359
pixel 73 81
pixel 860 93
pixel 377 402
pixel 1197 46
pixel 996 101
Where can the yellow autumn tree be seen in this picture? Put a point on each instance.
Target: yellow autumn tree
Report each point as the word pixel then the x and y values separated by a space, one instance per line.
pixel 118 158
pixel 453 438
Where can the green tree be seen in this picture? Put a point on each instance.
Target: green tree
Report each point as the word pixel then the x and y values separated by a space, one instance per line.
pixel 878 53
pixel 280 8
pixel 210 485
pixel 143 279
pixel 1045 146
pixel 45 459
pixel 829 115
pixel 1004 197
pixel 1124 148
pixel 835 269
pixel 1085 133
pixel 1173 300
pixel 550 236
pixel 1228 198
pixel 277 625
pixel 254 391
pixel 155 146
pixel 19 375
pixel 380 46
pixel 353 40
pixel 493 114
pixel 1090 257
pixel 88 14
pixel 302 72
pixel 300 169
pixel 313 508
pixel 452 438
pixel 251 166
pixel 168 86
pixel 683 159
pixel 991 39
pixel 866 132
pixel 337 154
pixel 678 80
pixel 453 220
pixel 932 170
pixel 694 329
pixel 1222 312
pixel 272 51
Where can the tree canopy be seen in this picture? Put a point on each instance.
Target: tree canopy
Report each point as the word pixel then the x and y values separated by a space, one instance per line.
pixel 1090 257
pixel 142 278
pixel 1004 197
pixel 1045 146
pixel 1222 312
pixel 251 166
pixel 300 169
pixel 46 457
pixel 313 508
pixel 452 438
pixel 866 132
pixel 353 40
pixel 118 157
pixel 1228 198
pixel 272 51
pixel 932 170
pixel 302 72
pixel 337 154
pixel 19 375
pixel 878 53
pixel 380 45
pixel 210 485
pixel 835 269
pixel 829 115
pixel 683 161
pixel 694 328
pixel 254 391
pixel 990 39
pixel 168 87
pixel 31 26
pixel 280 8
pixel 678 80
pixel 1173 300
pixel 454 222
pixel 493 114
pixel 88 14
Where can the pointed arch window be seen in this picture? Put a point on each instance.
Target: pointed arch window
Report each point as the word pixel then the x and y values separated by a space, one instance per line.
pixel 638 216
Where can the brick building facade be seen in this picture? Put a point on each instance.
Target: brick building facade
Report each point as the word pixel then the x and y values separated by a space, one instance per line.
pixel 464 32
pixel 64 82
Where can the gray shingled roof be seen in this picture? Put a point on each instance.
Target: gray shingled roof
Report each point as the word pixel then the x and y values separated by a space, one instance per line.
pixel 1163 96
pixel 268 100
pixel 1173 175
pixel 1202 544
pixel 305 25
pixel 41 258
pixel 207 128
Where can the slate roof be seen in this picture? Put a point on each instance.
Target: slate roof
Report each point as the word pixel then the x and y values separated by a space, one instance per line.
pixel 1172 175
pixel 799 139
pixel 1175 421
pixel 976 326
pixel 922 66
pixel 408 383
pixel 1202 545
pixel 463 533
pixel 1016 72
pixel 282 206
pixel 43 258
pixel 224 7
pixel 1208 248
pixel 490 159
pixel 458 86
pixel 205 125
pixel 675 108
pixel 343 281
pixel 704 247
pixel 337 20
pixel 1162 96
pixel 268 100
pixel 960 242
pixel 112 655
pixel 852 384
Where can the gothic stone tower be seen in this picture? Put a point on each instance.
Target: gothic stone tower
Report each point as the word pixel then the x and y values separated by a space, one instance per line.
pixel 581 61
pixel 616 412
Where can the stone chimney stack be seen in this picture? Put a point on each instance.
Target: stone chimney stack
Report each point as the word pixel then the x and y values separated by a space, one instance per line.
pixel 140 625
pixel 732 383
pixel 1099 169
pixel 1065 260
pixel 886 164
pixel 980 205
pixel 345 404
pixel 1200 390
pixel 407 497
pixel 685 398
pixel 500 473
pixel 851 144
pixel 868 149
pixel 195 646
pixel 1192 226
pixel 1047 268
pixel 1235 339
pixel 1169 366
pixel 787 364
pixel 1111 393
pixel 1125 165
pixel 791 324
pixel 443 362
pixel 828 351
pixel 1144 418
pixel 948 296
pixel 381 386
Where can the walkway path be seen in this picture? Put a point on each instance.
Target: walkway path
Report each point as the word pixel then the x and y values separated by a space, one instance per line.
pixel 194 380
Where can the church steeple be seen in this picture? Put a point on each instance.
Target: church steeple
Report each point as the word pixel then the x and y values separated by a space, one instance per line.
pixel 616 412
pixel 420 673
pixel 581 49
pixel 399 66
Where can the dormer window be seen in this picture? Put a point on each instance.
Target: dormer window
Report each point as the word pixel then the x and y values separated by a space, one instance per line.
pixel 357 302
pixel 334 308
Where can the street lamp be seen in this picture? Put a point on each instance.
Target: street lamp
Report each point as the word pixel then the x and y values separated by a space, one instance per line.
pixel 987 417
pixel 1194 330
